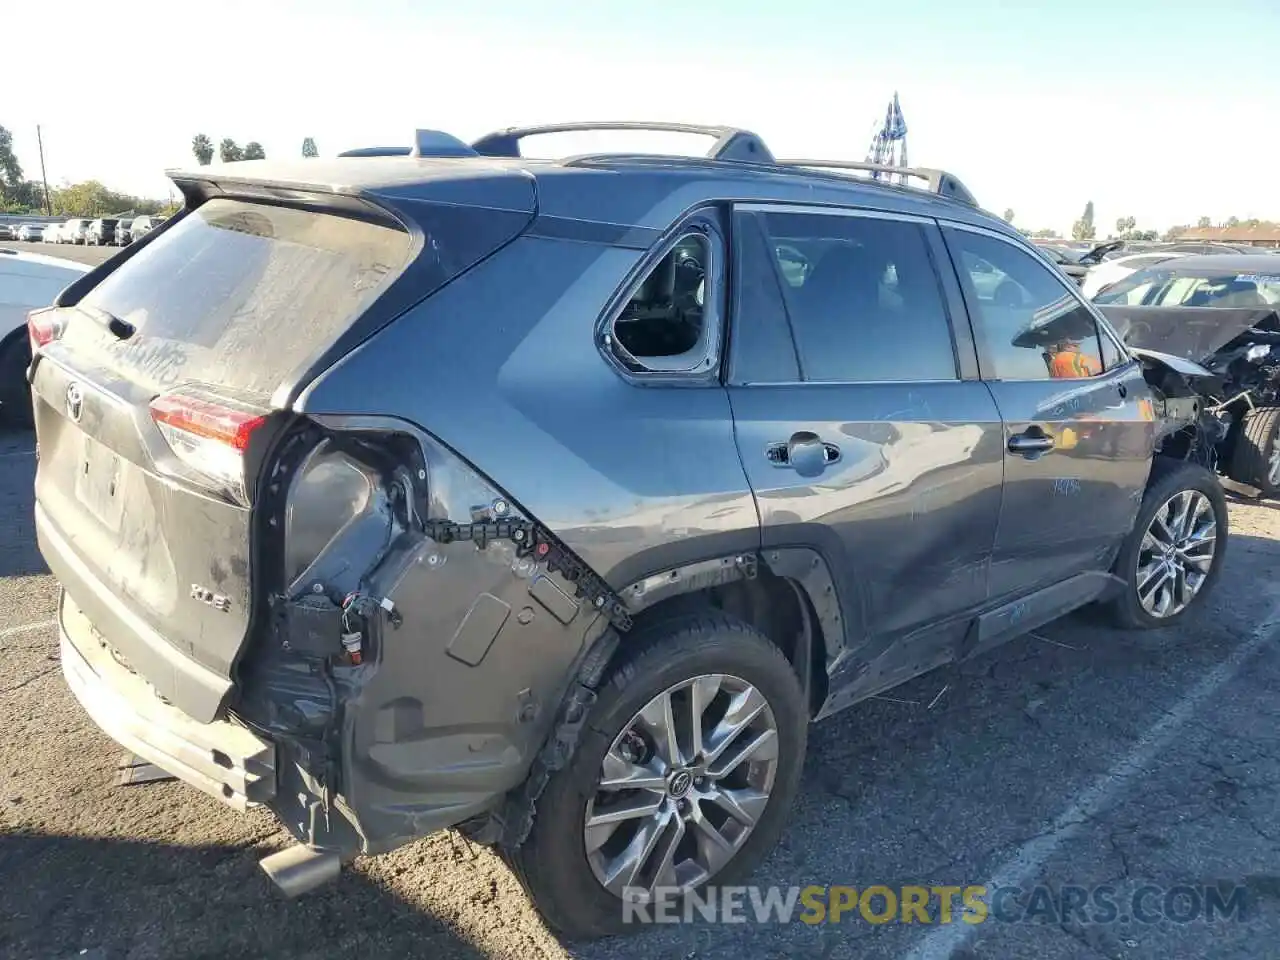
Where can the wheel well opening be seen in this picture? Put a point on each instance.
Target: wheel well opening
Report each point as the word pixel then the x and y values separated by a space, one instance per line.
pixel 778 608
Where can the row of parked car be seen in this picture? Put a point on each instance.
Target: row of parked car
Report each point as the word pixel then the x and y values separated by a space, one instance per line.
pixel 104 231
pixel 1096 268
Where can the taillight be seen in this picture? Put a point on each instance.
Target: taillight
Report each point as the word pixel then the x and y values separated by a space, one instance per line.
pixel 43 327
pixel 208 434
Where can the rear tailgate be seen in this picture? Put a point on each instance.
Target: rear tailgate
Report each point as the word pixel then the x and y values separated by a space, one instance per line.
pixel 158 396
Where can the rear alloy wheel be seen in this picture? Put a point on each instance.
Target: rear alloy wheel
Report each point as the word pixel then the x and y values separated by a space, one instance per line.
pixel 684 776
pixel 682 786
pixel 1175 551
pixel 1256 457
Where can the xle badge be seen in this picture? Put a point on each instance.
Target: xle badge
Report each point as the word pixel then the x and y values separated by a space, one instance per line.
pixel 215 600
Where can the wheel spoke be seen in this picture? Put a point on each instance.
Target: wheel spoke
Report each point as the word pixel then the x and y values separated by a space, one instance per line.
pixel 701 693
pixel 714 848
pixel 763 746
pixel 640 805
pixel 665 873
pixel 1159 530
pixel 744 805
pixel 1182 591
pixel 1150 578
pixel 660 720
pixel 1181 512
pixel 743 709
pixel 629 865
pixel 620 773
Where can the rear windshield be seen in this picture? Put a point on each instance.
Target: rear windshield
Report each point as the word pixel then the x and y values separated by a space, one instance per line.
pixel 243 293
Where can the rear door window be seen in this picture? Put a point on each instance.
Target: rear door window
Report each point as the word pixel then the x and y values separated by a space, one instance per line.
pixel 243 294
pixel 862 297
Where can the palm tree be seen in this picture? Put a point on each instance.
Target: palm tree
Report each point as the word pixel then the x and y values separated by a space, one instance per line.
pixel 202 147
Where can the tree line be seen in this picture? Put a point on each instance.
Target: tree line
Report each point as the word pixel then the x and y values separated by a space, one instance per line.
pixel 229 151
pixel 88 199
pixel 1126 227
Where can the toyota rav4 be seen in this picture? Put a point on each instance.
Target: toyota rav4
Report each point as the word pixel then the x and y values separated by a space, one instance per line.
pixel 550 500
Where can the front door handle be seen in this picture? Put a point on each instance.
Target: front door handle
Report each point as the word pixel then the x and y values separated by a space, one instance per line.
pixel 1030 443
pixel 805 452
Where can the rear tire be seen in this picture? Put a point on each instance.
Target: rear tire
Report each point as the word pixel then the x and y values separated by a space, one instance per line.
pixel 685 654
pixel 1256 457
pixel 15 395
pixel 1165 540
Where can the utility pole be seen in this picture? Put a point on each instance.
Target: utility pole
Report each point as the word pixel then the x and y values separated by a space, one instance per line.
pixel 48 207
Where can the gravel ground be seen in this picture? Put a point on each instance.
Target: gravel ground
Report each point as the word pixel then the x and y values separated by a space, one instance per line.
pixel 68 251
pixel 1080 756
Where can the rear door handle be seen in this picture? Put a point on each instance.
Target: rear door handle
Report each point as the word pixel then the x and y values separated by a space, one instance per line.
pixel 805 452
pixel 1032 442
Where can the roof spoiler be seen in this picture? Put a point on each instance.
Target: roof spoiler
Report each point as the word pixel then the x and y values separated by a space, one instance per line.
pixel 729 144
pixel 426 143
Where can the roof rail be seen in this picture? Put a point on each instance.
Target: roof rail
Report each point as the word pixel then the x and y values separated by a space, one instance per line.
pixel 731 143
pixel 939 181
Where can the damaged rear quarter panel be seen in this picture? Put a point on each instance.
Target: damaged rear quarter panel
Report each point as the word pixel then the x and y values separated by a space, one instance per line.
pixel 456 692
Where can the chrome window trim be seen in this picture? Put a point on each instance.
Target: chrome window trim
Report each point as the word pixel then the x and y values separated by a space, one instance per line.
pixel 827 210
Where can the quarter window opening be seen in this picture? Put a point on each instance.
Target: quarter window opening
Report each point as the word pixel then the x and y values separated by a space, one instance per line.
pixel 664 325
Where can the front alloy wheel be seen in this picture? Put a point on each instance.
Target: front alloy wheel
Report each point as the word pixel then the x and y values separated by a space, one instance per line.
pixel 1175 549
pixel 1176 554
pixel 682 786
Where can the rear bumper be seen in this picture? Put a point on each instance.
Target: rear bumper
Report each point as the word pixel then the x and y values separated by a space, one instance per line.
pixel 221 758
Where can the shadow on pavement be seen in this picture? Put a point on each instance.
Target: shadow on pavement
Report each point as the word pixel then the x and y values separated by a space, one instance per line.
pixel 61 895
pixel 18 554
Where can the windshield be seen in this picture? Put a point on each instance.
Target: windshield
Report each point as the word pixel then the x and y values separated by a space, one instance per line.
pixel 1165 286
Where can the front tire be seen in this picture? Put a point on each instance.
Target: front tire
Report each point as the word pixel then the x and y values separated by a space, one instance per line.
pixel 1256 457
pixel 1173 555
pixel 684 775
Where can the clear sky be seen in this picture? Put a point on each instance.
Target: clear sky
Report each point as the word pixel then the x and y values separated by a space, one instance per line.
pixel 1165 110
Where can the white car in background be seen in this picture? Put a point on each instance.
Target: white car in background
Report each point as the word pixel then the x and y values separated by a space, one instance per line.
pixel 52 231
pixel 74 231
pixel 27 281
pixel 1108 272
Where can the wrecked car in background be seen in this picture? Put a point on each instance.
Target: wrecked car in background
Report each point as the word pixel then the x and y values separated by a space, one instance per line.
pixel 551 500
pixel 1222 312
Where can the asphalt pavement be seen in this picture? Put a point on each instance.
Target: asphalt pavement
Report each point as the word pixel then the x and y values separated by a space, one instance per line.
pixel 68 251
pixel 1073 769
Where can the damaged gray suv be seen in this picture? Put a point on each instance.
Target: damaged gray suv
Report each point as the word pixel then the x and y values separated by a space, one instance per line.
pixel 550 500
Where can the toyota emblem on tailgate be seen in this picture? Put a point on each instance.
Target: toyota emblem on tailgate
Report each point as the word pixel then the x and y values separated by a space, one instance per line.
pixel 75 401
